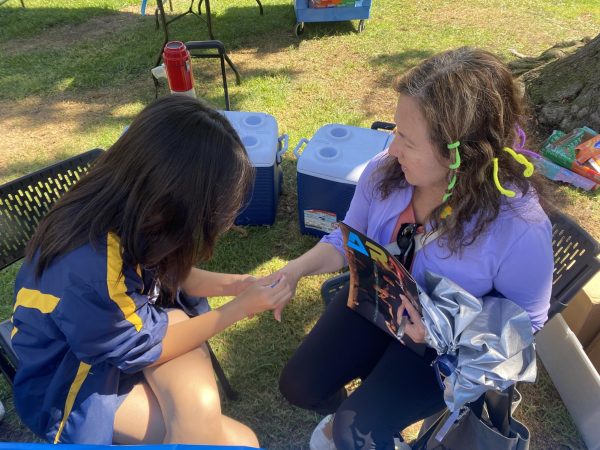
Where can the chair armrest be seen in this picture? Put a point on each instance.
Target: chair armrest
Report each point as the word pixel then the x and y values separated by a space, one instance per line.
pixel 8 358
pixel 331 287
pixel 377 125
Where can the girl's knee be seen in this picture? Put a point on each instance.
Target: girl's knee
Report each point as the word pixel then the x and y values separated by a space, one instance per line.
pixel 176 315
pixel 200 427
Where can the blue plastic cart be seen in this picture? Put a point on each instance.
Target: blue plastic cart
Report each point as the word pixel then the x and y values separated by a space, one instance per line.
pixel 360 11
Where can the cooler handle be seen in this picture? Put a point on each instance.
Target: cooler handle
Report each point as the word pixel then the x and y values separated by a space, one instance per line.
pixel 283 143
pixel 300 144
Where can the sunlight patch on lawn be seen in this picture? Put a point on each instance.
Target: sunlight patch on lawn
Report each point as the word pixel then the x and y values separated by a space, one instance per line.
pixel 127 110
pixel 64 84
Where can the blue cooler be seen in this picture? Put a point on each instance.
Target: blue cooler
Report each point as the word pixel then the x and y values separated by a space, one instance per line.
pixel 328 170
pixel 265 148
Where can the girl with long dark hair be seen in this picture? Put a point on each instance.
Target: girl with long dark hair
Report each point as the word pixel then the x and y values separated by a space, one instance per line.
pixel 107 353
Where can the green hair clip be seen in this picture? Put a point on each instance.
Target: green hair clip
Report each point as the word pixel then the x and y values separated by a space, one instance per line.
pixel 455 146
pixel 454 166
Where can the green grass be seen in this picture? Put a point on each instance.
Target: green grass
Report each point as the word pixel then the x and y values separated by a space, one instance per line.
pixel 73 74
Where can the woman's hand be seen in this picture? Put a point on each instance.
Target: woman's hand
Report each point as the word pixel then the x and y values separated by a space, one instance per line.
pixel 292 279
pixel 264 294
pixel 414 327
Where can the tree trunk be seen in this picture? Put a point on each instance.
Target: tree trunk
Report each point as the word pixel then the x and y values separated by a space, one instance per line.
pixel 564 88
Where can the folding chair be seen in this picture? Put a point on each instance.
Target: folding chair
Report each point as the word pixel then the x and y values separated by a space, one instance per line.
pixel 575 263
pixel 23 203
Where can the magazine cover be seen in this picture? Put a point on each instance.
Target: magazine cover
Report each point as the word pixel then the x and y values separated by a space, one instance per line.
pixel 377 282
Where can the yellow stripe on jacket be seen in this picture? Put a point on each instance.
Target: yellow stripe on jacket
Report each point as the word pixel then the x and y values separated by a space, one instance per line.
pixel 115 281
pixel 31 298
pixel 82 373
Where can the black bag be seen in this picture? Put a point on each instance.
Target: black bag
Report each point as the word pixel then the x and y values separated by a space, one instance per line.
pixel 486 424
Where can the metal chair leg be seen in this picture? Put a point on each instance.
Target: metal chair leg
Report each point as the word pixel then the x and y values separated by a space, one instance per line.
pixel 224 76
pixel 221 54
pixel 229 392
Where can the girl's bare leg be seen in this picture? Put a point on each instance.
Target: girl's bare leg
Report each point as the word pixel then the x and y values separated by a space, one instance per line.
pixel 187 393
pixel 139 419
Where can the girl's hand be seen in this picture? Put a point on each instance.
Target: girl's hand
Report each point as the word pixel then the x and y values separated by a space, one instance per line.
pixel 414 327
pixel 242 283
pixel 264 294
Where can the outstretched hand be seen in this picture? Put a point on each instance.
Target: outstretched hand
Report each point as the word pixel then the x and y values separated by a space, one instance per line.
pixel 292 280
pixel 264 294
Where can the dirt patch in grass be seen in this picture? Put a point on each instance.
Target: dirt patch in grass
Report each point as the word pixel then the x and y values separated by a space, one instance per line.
pixel 39 130
pixel 63 36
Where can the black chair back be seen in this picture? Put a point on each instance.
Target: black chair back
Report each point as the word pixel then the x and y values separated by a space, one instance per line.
pixel 23 203
pixel 575 260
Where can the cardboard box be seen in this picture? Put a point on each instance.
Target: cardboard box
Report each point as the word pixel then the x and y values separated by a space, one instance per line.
pixel 583 312
pixel 574 376
pixel 593 352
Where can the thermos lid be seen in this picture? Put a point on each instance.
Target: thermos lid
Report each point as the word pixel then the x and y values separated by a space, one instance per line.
pixel 174 50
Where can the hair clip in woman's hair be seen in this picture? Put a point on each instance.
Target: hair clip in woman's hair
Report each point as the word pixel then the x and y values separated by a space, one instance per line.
pixel 446 212
pixel 521 160
pixel 503 191
pixel 455 165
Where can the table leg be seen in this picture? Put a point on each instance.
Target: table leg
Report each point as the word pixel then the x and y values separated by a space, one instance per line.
pixel 208 20
pixel 163 20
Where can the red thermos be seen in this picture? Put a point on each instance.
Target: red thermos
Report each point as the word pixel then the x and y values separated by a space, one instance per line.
pixel 179 68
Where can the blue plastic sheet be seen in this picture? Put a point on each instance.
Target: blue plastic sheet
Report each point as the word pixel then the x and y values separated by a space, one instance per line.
pixel 31 446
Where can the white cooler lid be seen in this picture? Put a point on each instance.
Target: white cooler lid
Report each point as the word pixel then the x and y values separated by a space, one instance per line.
pixel 258 131
pixel 341 152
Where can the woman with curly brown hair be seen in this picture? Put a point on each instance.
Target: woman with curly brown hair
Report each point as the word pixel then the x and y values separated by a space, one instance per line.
pixel 451 169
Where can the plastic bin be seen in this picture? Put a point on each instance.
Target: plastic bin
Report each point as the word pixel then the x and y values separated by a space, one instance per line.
pixel 574 376
pixel 360 11
pixel 259 133
pixel 328 170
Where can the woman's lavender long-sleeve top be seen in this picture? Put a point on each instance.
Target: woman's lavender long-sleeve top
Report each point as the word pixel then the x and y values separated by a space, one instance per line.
pixel 513 256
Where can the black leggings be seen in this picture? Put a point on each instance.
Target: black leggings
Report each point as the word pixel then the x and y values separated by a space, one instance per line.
pixel 398 386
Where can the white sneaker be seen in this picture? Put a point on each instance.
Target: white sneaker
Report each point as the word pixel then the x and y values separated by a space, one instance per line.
pixel 399 445
pixel 321 438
